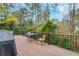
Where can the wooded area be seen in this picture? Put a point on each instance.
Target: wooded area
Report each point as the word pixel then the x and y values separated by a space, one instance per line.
pixel 37 17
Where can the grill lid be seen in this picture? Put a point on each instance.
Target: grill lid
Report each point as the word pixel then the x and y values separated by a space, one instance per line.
pixel 6 36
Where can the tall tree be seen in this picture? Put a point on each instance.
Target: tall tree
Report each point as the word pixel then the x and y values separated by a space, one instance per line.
pixel 37 11
pixel 72 18
pixel 5 9
pixel 46 13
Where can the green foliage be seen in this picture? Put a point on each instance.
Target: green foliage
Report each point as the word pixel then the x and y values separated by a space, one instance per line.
pixel 17 29
pixel 27 28
pixel 77 32
pixel 30 29
pixel 6 26
pixel 64 42
pixel 6 18
pixel 10 19
pixel 54 39
pixel 5 10
pixel 46 13
pixel 61 41
pixel 49 26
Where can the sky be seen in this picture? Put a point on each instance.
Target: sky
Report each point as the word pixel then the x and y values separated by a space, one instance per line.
pixel 61 9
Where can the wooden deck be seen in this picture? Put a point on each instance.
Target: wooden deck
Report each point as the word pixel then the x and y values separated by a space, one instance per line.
pixel 26 48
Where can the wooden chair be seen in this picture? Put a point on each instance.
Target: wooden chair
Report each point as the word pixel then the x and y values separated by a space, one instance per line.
pixel 43 39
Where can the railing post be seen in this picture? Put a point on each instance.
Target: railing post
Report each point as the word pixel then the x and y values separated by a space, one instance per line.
pixel 76 43
pixel 63 40
pixel 73 42
pixel 49 35
pixel 60 39
pixel 70 41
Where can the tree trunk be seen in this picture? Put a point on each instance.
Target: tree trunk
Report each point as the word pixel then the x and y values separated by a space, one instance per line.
pixel 72 19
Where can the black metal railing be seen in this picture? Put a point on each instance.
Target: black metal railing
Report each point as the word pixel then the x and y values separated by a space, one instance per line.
pixel 70 42
pixel 67 41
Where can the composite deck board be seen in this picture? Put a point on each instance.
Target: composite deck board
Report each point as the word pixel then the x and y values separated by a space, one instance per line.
pixel 26 48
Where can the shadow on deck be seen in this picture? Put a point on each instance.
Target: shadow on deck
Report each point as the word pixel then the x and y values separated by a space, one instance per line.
pixel 26 48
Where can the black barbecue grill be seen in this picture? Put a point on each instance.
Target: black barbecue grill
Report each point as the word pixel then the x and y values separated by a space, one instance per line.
pixel 7 44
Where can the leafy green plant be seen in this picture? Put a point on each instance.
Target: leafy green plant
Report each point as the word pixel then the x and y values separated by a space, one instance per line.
pixel 17 29
pixel 49 26
pixel 64 42
pixel 54 39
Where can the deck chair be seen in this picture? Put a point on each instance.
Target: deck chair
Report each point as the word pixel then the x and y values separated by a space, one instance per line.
pixel 42 39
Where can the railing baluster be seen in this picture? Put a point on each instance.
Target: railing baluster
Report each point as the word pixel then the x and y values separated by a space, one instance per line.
pixel 73 43
pixel 76 43
pixel 70 41
pixel 64 41
pixel 59 40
